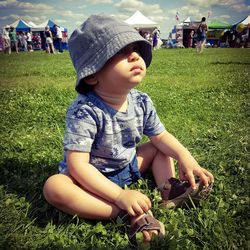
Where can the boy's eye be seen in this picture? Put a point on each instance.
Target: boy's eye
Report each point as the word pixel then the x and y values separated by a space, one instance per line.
pixel 136 48
pixel 129 49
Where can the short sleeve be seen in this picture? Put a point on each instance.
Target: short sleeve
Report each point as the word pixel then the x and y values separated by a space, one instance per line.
pixel 152 123
pixel 80 129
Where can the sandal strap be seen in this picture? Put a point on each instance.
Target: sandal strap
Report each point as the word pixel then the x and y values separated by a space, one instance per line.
pixel 123 218
pixel 146 222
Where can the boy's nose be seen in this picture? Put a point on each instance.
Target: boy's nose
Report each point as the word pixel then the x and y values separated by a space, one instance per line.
pixel 133 56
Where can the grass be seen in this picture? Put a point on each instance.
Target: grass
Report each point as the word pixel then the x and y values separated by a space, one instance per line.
pixel 202 99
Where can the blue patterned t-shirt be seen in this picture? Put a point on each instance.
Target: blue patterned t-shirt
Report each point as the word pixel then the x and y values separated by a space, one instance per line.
pixel 108 135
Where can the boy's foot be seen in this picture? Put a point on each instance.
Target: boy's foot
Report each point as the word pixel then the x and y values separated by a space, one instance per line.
pixel 145 223
pixel 178 193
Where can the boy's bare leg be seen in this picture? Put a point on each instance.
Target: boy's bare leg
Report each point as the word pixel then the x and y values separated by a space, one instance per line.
pixel 162 165
pixel 62 192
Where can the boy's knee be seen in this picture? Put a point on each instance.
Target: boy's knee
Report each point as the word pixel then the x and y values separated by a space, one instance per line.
pixel 51 189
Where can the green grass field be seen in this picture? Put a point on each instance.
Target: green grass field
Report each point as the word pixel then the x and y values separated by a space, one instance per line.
pixel 202 99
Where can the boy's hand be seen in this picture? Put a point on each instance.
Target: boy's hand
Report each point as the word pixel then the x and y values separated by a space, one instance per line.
pixel 134 202
pixel 189 168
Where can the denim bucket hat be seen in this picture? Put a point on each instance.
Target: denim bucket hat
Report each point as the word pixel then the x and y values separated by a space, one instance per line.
pixel 98 39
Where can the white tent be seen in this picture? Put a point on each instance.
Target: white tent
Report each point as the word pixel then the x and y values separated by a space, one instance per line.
pixel 32 24
pixel 138 20
pixel 187 20
pixel 41 27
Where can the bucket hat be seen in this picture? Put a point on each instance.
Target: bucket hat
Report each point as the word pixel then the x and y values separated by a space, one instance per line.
pixel 97 40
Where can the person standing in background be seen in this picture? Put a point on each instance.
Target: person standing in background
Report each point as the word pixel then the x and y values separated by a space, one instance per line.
pixel 156 35
pixel 58 38
pixel 23 40
pixel 190 39
pixel 29 41
pixel 201 35
pixel 13 39
pixel 49 40
pixel 6 40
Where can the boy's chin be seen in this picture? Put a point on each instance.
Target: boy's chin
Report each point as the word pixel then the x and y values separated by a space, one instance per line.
pixel 135 83
pixel 136 79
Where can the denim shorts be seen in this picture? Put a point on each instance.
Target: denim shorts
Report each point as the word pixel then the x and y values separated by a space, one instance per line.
pixel 126 175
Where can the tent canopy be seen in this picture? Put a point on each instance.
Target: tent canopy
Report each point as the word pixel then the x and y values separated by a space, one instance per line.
pixel 138 20
pixel 21 25
pixel 219 25
pixel 188 20
pixel 50 23
pixel 245 21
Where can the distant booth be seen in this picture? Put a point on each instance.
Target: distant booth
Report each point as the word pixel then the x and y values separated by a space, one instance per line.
pixel 218 33
pixel 183 30
pixel 38 39
pixel 216 30
pixel 40 29
pixel 241 30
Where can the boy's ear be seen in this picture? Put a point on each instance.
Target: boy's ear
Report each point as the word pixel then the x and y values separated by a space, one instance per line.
pixel 91 80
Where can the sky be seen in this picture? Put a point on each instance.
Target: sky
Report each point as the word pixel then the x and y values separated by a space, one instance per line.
pixel 71 13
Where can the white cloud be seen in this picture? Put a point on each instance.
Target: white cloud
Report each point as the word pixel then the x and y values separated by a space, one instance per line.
pixel 186 11
pixel 26 6
pixel 14 17
pixel 236 5
pixel 94 2
pixel 71 14
pixel 240 7
pixel 8 3
pixel 121 16
pixel 82 7
pixel 4 17
pixel 134 5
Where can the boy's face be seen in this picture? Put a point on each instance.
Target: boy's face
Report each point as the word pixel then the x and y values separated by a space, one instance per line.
pixel 122 72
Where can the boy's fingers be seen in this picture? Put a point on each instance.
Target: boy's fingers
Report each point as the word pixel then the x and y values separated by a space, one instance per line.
pixel 148 202
pixel 131 211
pixel 182 176
pixel 144 206
pixel 137 209
pixel 204 178
pixel 191 180
pixel 210 176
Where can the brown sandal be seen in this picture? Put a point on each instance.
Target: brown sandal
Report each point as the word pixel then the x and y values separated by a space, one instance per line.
pixel 176 193
pixel 146 222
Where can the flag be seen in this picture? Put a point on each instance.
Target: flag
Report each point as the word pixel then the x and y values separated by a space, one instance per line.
pixel 177 16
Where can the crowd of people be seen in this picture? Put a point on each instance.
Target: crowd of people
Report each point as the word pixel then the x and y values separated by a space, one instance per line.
pixel 153 38
pixel 47 40
pixel 227 39
pixel 199 36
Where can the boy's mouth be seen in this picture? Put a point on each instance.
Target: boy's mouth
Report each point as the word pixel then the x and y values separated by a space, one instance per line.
pixel 136 68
